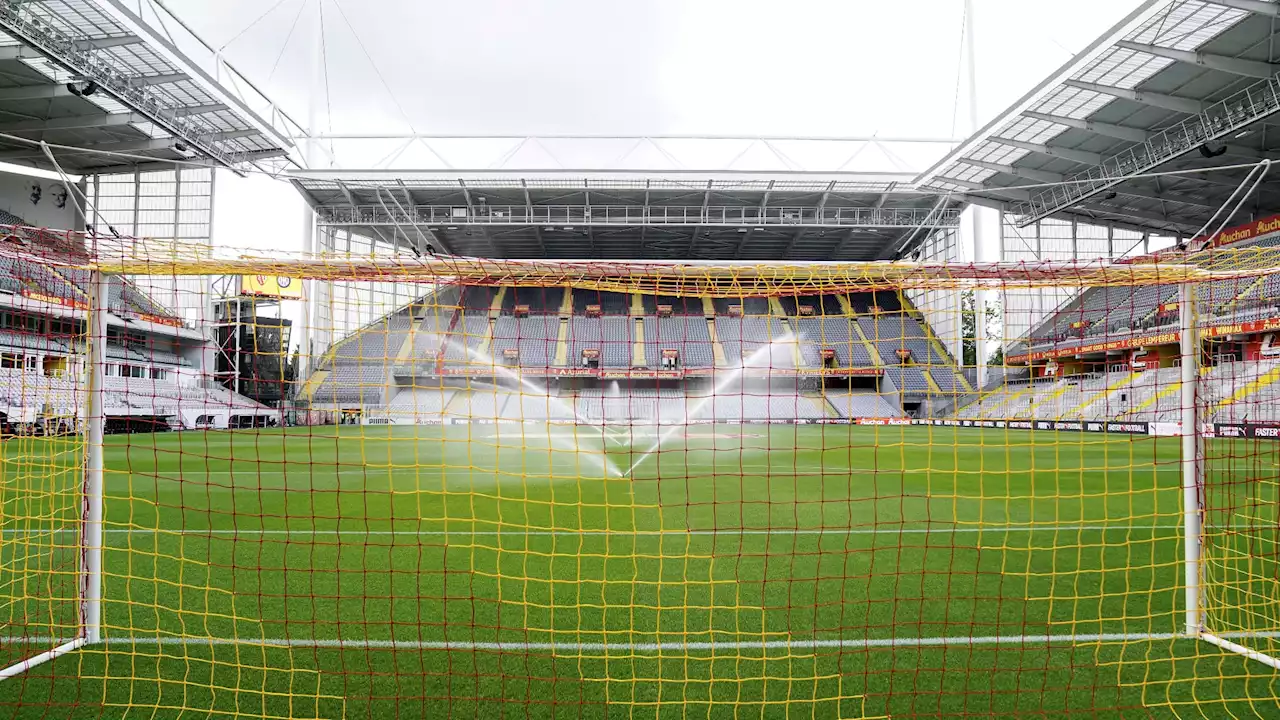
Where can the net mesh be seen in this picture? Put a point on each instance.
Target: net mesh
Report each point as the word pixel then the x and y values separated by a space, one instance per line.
pixel 454 487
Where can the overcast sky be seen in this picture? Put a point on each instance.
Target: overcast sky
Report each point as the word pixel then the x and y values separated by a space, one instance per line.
pixel 801 68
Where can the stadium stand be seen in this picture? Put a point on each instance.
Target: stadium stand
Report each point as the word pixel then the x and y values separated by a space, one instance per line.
pixel 610 303
pixel 478 402
pixel 742 337
pixel 378 342
pixel 861 404
pixel 539 300
pixel 863 303
pixel 679 305
pixel 687 334
pixel 835 333
pixel 468 333
pixel 534 338
pixel 638 405
pixel 611 336
pixel 549 337
pixel 420 402
pixel 750 305
pixel 351 383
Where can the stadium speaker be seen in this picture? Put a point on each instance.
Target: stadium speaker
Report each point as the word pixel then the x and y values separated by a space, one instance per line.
pixel 1207 152
pixel 84 89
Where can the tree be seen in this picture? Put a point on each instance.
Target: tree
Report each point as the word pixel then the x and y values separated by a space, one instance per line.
pixel 969 330
pixel 290 376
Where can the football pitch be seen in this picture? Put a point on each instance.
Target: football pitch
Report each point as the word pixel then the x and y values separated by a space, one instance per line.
pixel 736 571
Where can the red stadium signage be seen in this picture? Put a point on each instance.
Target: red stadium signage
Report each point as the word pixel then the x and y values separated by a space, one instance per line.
pixel 521 310
pixel 851 372
pixel 806 310
pixel 591 353
pixel 882 421
pixel 55 300
pixel 670 353
pixel 735 311
pixel 828 354
pixel 570 372
pixel 1165 338
pixel 593 311
pixel 664 311
pixel 160 320
pixel 1250 231
pixel 1245 328
pixel 903 353
pixel 1240 233
pixel 1125 344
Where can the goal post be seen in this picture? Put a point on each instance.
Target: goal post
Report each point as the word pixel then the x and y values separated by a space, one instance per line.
pixel 655 489
pixel 1192 510
pixel 84 539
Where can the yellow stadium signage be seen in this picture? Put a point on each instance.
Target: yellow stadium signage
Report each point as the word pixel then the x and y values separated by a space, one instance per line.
pixel 271 286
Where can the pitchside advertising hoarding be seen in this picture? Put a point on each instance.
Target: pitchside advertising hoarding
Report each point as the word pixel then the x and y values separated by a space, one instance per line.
pixel 1255 431
pixel 1091 426
pixel 643 373
pixel 1244 430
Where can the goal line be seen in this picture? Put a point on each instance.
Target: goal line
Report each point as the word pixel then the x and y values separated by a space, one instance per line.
pixel 517 532
pixel 674 646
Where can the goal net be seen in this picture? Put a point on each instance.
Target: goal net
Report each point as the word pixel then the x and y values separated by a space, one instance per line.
pixel 396 486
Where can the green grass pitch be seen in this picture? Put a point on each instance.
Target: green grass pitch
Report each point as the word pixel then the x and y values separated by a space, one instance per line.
pixel 739 572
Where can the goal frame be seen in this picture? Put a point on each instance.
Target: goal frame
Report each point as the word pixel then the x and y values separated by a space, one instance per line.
pixel 90 541
pixel 90 545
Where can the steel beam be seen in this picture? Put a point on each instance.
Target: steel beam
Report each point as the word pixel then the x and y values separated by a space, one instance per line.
pixel 201 109
pixel 74 122
pixel 1013 193
pixel 1165 196
pixel 764 198
pixel 1027 173
pixel 1218 122
pixel 1120 132
pixel 1158 100
pixel 1188 225
pixel 884 196
pixel 160 79
pixel 1079 156
pixel 36 92
pixel 430 234
pixel 126 146
pixel 1224 63
pixel 1257 7
pixel 160 38
pixel 57 43
pixel 22 52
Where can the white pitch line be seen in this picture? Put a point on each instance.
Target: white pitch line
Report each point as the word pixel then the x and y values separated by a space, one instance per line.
pixel 728 532
pixel 1032 641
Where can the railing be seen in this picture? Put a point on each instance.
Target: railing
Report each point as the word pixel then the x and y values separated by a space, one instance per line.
pixel 1218 120
pixel 571 215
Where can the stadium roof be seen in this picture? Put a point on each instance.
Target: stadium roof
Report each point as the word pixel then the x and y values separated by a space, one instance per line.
pixel 109 75
pixel 1178 85
pixel 695 197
